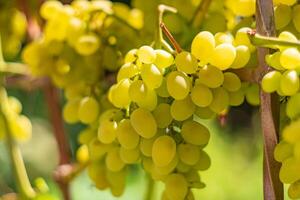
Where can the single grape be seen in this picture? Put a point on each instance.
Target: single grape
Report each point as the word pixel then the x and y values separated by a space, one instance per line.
pixel 127 136
pixel 186 62
pixel 163 150
pixel 176 186
pixel 143 122
pixel 188 153
pixel 232 82
pixel 201 95
pixel 203 46
pixel 223 56
pixel 220 100
pixel 178 85
pixel 151 75
pixel 243 55
pixel 146 54
pixel 162 115
pixel 163 59
pixel 211 76
pixel 289 83
pixel 270 81
pixel 88 110
pixel 195 133
pixel 107 131
pixel 182 109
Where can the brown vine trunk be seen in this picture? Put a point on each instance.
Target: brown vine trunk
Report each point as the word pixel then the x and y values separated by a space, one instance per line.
pixel 273 188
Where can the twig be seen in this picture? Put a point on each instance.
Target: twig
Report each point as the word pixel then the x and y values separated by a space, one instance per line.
pixel 273 188
pixel 200 13
pixel 170 37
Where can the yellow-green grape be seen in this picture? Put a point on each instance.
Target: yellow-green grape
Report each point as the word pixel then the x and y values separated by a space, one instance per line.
pixel 289 171
pixel 252 95
pixel 2 128
pixel 163 150
pixel 163 59
pixel 116 181
pixel 143 122
pixel 270 81
pixel 129 156
pixel 243 8
pixel 97 173
pixel 242 38
pixel 297 150
pixel 201 95
pixel 195 133
pixel 128 70
pixel 146 54
pixel 165 170
pixel 286 2
pixel 118 94
pixel 236 98
pixel 146 146
pixel 50 9
pixel 220 100
pixel 232 82
pixel 293 106
pixel 290 132
pixel 107 131
pixel 150 101
pixel 296 17
pixel 178 85
pixel 75 29
pixel 283 16
pixel 182 109
pixel 87 44
pixel 203 46
pixel 274 60
pixel 70 111
pixel 136 18
pixel 88 110
pixel 243 55
pixel 211 76
pixel 289 83
pixel 137 91
pixel 203 162
pixel 282 151
pixel 223 56
pixel 82 154
pixel 113 160
pixel 188 153
pixel 162 115
pixel 86 135
pixel 151 75
pixel 287 36
pixel 294 190
pixel 131 56
pixel 221 38
pixel 176 186
pixel 127 136
pixel 290 58
pixel 21 128
pixel 182 167
pixel 162 91
pixel 14 105
pixel 147 164
pixel 186 62
pixel 97 149
pixel 204 113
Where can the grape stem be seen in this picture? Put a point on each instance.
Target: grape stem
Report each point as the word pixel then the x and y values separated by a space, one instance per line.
pixel 170 37
pixel 269 109
pixel 200 13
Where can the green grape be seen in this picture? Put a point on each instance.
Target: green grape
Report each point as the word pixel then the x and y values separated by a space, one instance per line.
pixel 201 95
pixel 270 81
pixel 176 186
pixel 147 164
pixel 75 29
pixel 146 146
pixel 14 105
pixel 182 109
pixel 131 56
pixel 224 56
pixel 289 83
pixel 87 44
pixel 283 16
pixel 290 132
pixel 163 150
pixel 178 85
pixel 163 59
pixel 282 151
pixel 203 162
pixel 188 153
pixel 195 133
pixel 232 82
pixel 88 110
pixel 293 106
pixel 136 18
pixel 182 167
pixel 137 91
pixel 143 123
pixel 290 58
pixel 86 135
pixel 221 38
pixel 289 171
pixel 243 55
pixel 146 54
pixel 162 115
pixel 150 101
pixel 203 46
pixel 236 98
pixel 50 8
pixel 128 70
pixel 243 8
pixel 294 190
pixel 82 154
pixel 21 128
pixel 151 75
pixel 296 151
pixel 186 62
pixel 129 156
pixel 220 100
pixel 127 136
pixel 286 2
pixel 113 161
pixel 70 111
pixel 97 173
pixel 97 149
pixel 165 170
pixel 242 38
pixel 274 60
pixel 162 91
pixel 296 17
pixel 204 113
pixel 252 95
pixel 107 131
pixel 118 94
pixel 287 36
pixel 211 76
